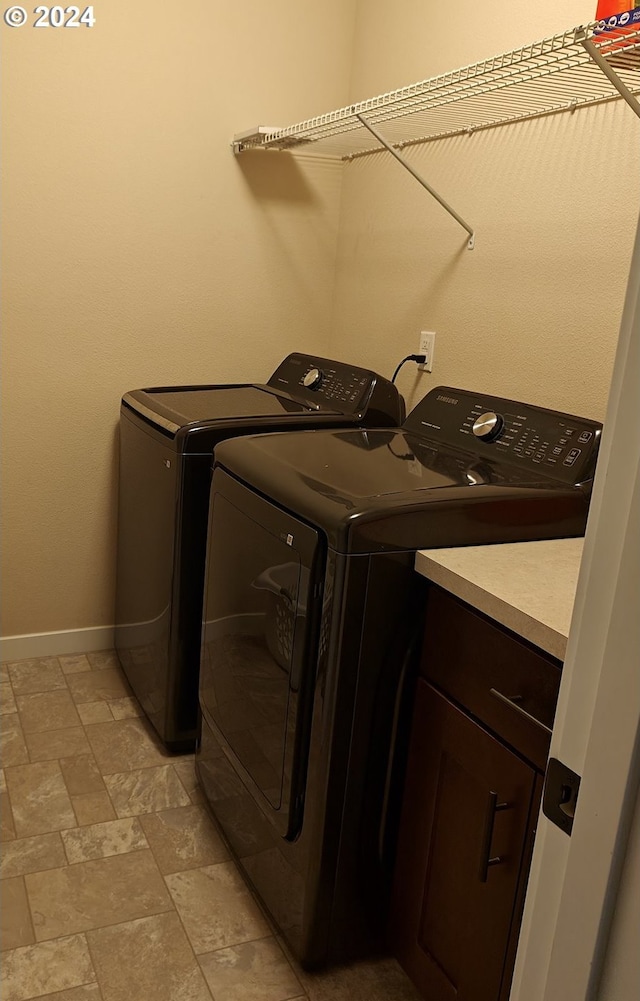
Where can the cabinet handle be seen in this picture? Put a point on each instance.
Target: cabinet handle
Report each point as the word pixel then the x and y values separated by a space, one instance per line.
pixel 512 702
pixel 487 837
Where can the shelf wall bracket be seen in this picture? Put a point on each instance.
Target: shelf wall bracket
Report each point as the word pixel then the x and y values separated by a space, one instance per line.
pixel 419 178
pixel 609 72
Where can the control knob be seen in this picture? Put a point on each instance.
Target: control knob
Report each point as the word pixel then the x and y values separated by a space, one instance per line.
pixel 488 426
pixel 312 379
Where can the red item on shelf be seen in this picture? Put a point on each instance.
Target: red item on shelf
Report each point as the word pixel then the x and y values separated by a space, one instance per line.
pixel 615 19
pixel 606 8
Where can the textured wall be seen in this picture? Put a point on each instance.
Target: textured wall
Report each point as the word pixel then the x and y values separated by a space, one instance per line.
pixel 533 312
pixel 138 251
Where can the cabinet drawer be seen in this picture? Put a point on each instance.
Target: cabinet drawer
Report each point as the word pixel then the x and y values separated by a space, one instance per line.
pixel 503 682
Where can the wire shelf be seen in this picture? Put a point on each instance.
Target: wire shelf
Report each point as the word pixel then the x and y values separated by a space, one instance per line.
pixel 555 74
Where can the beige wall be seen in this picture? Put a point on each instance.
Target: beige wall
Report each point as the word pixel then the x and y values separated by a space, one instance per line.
pixel 138 251
pixel 533 312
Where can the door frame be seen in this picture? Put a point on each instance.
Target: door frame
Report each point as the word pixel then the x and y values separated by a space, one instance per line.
pixel 575 880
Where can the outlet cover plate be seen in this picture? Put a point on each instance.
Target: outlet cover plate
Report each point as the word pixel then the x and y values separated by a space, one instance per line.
pixel 427 347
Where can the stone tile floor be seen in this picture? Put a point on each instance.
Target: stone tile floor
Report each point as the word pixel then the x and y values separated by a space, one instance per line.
pixel 115 885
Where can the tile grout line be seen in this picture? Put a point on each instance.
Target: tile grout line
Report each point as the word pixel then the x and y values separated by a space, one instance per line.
pixel 30 909
pixel 13 819
pixel 189 942
pixel 93 967
pixel 110 924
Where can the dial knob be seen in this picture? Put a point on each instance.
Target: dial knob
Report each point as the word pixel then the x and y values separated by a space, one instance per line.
pixel 488 426
pixel 312 379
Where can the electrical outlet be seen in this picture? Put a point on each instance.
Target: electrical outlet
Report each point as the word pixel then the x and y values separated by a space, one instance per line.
pixel 427 347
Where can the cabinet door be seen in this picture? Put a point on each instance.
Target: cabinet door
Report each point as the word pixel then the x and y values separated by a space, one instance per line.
pixel 467 814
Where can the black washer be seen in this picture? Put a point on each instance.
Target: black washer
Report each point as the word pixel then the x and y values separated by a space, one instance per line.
pixel 167 437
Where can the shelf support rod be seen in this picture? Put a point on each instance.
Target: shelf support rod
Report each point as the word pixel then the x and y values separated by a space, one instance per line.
pixel 610 73
pixel 418 178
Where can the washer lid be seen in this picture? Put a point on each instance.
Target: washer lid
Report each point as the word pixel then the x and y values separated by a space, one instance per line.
pixel 175 407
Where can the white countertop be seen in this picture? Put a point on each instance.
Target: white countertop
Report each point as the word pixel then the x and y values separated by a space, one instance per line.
pixel 529 587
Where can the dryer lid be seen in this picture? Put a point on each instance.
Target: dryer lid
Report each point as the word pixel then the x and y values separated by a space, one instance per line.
pixel 359 468
pixel 434 481
pixel 370 490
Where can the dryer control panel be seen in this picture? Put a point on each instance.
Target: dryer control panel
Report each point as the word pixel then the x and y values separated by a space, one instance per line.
pixel 552 443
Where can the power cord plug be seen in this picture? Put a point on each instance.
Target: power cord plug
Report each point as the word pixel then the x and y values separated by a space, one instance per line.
pixel 418 359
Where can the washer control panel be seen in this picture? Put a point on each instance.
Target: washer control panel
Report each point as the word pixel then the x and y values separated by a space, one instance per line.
pixel 327 384
pixel 556 444
pixel 336 384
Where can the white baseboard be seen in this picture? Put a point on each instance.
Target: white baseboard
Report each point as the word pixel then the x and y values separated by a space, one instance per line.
pixel 56 644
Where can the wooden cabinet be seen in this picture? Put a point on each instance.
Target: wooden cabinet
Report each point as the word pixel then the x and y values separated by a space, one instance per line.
pixel 483 709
